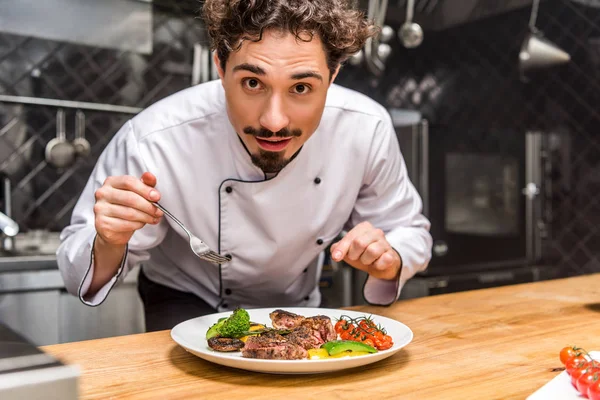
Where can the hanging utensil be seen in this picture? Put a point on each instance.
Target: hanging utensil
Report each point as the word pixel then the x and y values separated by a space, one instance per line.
pixel 373 50
pixel 59 152
pixel 80 143
pixel 410 33
pixel 537 51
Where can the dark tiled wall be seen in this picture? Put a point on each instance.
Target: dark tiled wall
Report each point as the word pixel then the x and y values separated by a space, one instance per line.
pixel 467 78
pixel 44 196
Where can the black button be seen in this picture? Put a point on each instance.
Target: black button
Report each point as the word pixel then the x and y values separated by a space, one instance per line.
pixel 229 189
pixel 228 256
pixel 225 305
pixel 227 291
pixel 306 298
pixel 319 241
pixel 317 180
pixel 305 270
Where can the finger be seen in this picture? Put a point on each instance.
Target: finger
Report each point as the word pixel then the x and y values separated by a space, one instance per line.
pixel 111 224
pixel 360 243
pixel 149 179
pixel 384 262
pixel 129 214
pixel 109 195
pixel 339 250
pixel 373 252
pixel 135 185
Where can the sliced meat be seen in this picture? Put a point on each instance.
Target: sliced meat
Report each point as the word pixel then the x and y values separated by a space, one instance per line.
pixel 321 326
pixel 272 346
pixel 281 319
pixel 305 338
pixel 282 351
pixel 225 344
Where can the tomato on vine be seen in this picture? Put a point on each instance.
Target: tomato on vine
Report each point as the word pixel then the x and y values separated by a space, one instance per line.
pixel 364 330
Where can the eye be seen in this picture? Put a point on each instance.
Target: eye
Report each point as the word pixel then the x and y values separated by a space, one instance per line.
pixel 301 88
pixel 251 84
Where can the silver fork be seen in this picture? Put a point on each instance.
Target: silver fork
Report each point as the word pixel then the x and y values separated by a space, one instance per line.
pixel 200 248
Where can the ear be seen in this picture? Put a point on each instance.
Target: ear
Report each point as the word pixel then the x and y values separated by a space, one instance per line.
pixel 335 74
pixel 217 62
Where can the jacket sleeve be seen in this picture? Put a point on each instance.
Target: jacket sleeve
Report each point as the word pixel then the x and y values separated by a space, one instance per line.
pixel 74 255
pixel 390 202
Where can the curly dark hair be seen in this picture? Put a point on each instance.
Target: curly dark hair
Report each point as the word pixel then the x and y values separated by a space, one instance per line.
pixel 342 28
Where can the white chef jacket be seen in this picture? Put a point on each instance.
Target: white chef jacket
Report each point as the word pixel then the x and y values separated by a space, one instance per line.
pixel 275 228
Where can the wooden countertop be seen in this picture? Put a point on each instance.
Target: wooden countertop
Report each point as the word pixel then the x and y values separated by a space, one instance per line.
pixel 499 343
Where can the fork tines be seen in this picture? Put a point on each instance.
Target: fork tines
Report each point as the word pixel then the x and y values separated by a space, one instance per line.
pixel 215 257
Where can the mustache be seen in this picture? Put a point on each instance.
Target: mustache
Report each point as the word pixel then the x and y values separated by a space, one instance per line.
pixel 262 132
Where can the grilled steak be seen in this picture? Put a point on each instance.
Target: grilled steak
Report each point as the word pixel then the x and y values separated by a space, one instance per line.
pixel 225 344
pixel 305 337
pixel 272 346
pixel 282 319
pixel 321 326
pixel 306 333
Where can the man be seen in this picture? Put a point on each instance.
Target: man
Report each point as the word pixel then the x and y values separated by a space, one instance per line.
pixel 267 165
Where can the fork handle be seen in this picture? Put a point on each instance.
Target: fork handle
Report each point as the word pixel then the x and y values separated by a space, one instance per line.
pixel 161 208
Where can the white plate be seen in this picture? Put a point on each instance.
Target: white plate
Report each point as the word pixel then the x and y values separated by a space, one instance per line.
pixel 560 388
pixel 191 336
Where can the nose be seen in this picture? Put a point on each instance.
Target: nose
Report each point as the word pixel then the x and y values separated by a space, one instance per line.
pixel 274 117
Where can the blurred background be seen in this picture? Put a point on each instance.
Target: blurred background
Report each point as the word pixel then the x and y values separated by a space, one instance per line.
pixel 495 107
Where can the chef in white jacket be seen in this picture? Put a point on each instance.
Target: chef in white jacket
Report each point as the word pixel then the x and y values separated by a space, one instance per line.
pixel 266 165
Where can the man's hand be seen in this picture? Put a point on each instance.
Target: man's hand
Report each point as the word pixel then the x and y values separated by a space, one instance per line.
pixel 366 248
pixel 123 206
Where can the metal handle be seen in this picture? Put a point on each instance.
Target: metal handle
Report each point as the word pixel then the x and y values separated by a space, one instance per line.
pixel 79 124
pixel 424 159
pixel 172 217
pixel 533 212
pixel 60 124
pixel 39 101
pixel 7 225
pixel 534 14
pixel 410 10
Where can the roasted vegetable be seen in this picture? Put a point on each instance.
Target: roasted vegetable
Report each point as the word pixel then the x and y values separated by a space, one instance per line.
pixel 255 329
pixel 234 326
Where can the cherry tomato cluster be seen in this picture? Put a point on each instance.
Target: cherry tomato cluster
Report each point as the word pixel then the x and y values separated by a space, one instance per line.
pixel 584 372
pixel 363 330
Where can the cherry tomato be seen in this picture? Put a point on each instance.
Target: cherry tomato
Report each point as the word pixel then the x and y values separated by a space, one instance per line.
pixel 567 353
pixel 593 392
pixel 577 362
pixel 576 373
pixel 585 380
pixel 369 342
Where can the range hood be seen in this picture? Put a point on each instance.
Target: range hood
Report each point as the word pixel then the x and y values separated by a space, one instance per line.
pixel 435 15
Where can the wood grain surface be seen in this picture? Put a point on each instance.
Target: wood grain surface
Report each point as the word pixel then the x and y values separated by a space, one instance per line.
pixel 499 343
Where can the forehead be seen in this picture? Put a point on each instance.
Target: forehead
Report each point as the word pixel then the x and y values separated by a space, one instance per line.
pixel 278 49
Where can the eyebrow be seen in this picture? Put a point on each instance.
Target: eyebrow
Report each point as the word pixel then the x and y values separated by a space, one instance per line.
pixel 250 67
pixel 255 69
pixel 308 74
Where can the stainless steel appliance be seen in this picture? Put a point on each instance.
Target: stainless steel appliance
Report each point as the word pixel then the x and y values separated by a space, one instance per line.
pixel 26 372
pixel 489 202
pixel 483 197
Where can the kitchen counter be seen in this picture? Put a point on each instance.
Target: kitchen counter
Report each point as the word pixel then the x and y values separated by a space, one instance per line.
pixel 499 343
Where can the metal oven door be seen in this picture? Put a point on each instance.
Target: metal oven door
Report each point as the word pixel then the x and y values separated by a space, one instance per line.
pixel 480 195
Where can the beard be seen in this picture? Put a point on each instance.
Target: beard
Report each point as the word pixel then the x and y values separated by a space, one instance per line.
pixel 271 161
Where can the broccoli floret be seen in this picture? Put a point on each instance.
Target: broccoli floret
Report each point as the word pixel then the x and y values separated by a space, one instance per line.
pixel 234 326
pixel 215 329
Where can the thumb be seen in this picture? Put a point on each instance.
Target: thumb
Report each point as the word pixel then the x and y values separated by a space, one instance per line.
pixel 340 249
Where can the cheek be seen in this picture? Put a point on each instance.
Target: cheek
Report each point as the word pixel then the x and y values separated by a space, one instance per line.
pixel 241 112
pixel 308 115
